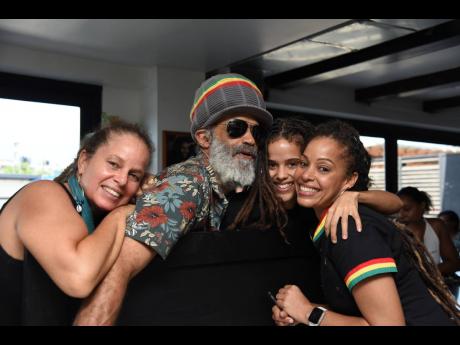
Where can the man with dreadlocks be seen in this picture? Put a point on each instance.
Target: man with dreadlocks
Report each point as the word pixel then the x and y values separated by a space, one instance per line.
pixel 380 276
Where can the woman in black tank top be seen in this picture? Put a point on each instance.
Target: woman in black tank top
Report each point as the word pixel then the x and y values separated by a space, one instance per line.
pixel 46 255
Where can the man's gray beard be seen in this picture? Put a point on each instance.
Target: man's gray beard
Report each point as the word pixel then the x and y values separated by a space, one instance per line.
pixel 232 171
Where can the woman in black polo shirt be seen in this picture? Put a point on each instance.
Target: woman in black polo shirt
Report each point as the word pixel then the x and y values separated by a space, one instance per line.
pixel 375 277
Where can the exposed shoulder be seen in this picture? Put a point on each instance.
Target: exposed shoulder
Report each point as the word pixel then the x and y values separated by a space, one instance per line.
pixel 435 222
pixel 44 192
pixel 42 186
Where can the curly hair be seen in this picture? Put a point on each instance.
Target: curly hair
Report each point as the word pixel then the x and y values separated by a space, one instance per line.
pixel 92 141
pixel 357 158
pixel 262 193
pixel 417 195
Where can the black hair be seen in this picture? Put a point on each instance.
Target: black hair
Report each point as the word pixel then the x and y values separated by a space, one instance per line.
pixel 357 158
pixel 293 129
pixel 93 141
pixel 417 195
pixel 452 216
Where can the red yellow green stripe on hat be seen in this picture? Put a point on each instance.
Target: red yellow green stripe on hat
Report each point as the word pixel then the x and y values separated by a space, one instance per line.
pixel 320 229
pixel 218 84
pixel 368 269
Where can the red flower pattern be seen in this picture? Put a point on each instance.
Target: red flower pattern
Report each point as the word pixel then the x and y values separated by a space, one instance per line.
pixel 187 209
pixel 153 215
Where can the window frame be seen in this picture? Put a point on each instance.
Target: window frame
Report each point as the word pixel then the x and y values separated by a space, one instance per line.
pixel 390 132
pixel 88 97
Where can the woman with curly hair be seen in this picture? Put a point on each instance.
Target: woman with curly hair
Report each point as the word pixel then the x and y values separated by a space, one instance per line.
pixel 379 276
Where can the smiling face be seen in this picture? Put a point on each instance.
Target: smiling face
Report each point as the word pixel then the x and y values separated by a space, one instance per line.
pixel 322 174
pixel 112 175
pixel 283 160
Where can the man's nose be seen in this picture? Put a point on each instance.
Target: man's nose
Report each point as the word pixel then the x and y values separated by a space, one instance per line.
pixel 248 138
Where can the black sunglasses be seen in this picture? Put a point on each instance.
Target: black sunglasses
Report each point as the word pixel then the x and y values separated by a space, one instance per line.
pixel 237 128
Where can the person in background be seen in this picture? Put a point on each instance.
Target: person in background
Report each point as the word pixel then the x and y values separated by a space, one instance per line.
pixel 450 219
pixel 379 276
pixel 430 231
pixel 182 149
pixel 56 230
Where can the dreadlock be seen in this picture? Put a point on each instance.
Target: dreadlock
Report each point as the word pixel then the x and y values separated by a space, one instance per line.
pixel 261 195
pixel 358 160
pixel 421 258
pixel 92 141
pixel 262 192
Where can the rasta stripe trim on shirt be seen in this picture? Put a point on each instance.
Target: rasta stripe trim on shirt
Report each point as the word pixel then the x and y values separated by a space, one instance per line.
pixel 320 228
pixel 368 269
pixel 218 85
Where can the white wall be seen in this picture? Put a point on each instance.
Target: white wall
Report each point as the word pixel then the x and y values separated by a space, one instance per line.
pixel 339 102
pixel 122 85
pixel 176 90
pixel 158 98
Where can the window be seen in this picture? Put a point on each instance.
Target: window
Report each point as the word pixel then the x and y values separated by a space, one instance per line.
pixel 376 148
pixel 41 123
pixel 431 168
pixel 37 141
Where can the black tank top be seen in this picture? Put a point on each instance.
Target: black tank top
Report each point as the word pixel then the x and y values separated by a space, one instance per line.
pixel 10 285
pixel 10 289
pixel 28 296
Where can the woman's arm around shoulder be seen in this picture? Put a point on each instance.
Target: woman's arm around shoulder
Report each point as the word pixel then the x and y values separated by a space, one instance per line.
pixel 381 201
pixel 54 233
pixel 347 205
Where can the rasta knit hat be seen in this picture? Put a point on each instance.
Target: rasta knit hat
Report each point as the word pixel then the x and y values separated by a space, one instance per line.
pixel 227 94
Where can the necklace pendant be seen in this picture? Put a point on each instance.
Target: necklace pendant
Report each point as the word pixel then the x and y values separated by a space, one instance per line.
pixel 79 208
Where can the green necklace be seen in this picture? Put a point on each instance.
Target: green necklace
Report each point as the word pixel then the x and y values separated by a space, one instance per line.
pixel 83 207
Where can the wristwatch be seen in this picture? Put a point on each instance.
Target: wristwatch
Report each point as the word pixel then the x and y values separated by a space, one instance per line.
pixel 316 316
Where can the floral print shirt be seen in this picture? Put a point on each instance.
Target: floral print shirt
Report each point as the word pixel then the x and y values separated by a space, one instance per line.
pixel 184 196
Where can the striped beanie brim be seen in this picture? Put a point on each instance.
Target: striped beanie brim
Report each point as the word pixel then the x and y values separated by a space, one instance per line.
pixel 226 94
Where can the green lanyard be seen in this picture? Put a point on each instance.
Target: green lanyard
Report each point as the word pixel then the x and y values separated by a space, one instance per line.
pixel 83 206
